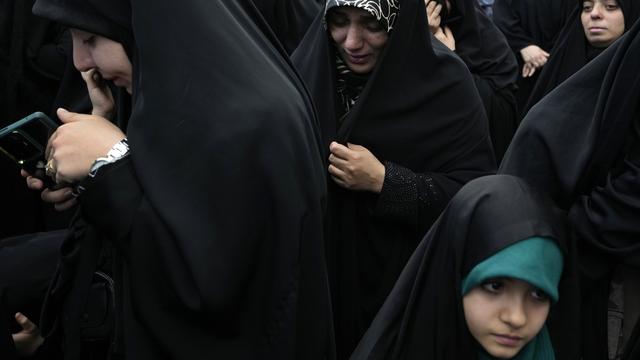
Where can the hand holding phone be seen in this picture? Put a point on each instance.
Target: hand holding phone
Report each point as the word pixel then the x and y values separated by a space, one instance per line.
pixel 24 143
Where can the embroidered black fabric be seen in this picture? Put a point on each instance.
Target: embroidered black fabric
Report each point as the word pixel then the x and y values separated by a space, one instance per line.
pixel 404 193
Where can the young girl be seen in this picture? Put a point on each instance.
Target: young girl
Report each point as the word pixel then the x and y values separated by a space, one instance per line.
pixel 482 282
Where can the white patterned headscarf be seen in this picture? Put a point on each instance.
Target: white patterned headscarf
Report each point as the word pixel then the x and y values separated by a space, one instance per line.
pixel 385 11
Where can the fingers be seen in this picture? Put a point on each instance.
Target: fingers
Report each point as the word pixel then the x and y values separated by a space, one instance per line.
pixel 528 70
pixel 57 196
pixel 67 116
pixel 34 183
pixel 340 150
pixel 433 15
pixel 335 171
pixel 338 162
pixel 99 93
pixel 25 323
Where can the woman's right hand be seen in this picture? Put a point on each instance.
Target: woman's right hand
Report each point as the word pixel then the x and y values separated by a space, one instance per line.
pixel 433 15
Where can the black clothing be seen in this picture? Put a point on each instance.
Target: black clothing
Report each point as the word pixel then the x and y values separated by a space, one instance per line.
pixel 530 22
pixel 486 52
pixel 572 51
pixel 579 144
pixel 289 19
pixel 423 317
pixel 216 216
pixel 419 113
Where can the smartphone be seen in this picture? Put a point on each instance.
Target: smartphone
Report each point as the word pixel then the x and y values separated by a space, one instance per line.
pixel 24 142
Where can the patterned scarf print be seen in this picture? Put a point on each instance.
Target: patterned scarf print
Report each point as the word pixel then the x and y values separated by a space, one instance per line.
pixel 349 86
pixel 384 11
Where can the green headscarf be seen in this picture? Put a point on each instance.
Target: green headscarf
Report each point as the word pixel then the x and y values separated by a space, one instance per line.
pixel 537 261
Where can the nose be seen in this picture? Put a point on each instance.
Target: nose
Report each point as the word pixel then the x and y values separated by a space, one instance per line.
pixel 596 11
pixel 82 58
pixel 354 39
pixel 514 312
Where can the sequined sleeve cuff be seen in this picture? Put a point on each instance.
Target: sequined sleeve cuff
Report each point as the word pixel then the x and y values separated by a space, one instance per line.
pixel 404 193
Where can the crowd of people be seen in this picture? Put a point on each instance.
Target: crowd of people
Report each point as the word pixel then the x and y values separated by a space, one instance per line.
pixel 323 179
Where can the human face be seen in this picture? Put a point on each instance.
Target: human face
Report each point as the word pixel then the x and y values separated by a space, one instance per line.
pixel 91 51
pixel 359 37
pixel 504 314
pixel 603 22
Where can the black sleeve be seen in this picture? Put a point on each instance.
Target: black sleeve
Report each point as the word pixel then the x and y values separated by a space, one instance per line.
pixel 404 193
pixel 111 199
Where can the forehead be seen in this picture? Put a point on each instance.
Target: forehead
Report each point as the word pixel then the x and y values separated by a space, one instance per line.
pixel 352 12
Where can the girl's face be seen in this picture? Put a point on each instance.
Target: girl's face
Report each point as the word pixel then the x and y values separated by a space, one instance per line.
pixel 603 22
pixel 108 57
pixel 504 314
pixel 359 37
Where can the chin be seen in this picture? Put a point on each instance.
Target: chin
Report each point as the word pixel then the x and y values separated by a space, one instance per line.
pixel 503 353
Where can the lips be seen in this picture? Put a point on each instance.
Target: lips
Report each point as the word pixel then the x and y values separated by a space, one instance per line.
pixel 508 340
pixel 596 29
pixel 358 59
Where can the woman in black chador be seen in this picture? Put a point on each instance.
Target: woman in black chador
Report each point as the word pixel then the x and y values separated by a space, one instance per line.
pixel 211 208
pixel 496 233
pixel 463 27
pixel 592 27
pixel 403 129
pixel 531 28
pixel 581 145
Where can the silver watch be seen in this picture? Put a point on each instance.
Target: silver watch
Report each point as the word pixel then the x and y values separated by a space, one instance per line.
pixel 119 151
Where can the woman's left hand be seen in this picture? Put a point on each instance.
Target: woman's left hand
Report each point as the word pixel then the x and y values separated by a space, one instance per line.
pixel 75 145
pixel 355 168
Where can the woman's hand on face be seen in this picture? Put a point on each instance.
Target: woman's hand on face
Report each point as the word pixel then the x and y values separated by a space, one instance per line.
pixel 534 55
pixel 355 168
pixel 433 15
pixel 28 340
pixel 77 143
pixel 446 37
pixel 99 93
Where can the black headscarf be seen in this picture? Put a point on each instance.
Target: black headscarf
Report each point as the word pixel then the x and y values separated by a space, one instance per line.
pixel 579 144
pixel 423 317
pixel 572 50
pixel 420 114
pixel 109 19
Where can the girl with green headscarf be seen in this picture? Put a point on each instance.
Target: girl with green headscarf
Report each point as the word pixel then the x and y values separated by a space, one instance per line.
pixel 484 283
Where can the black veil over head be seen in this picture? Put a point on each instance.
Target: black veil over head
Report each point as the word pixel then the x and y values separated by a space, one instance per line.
pixel 111 19
pixel 423 317
pixel 225 151
pixel 420 111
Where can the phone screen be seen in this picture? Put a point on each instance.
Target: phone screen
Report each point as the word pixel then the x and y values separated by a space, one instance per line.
pixel 25 141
